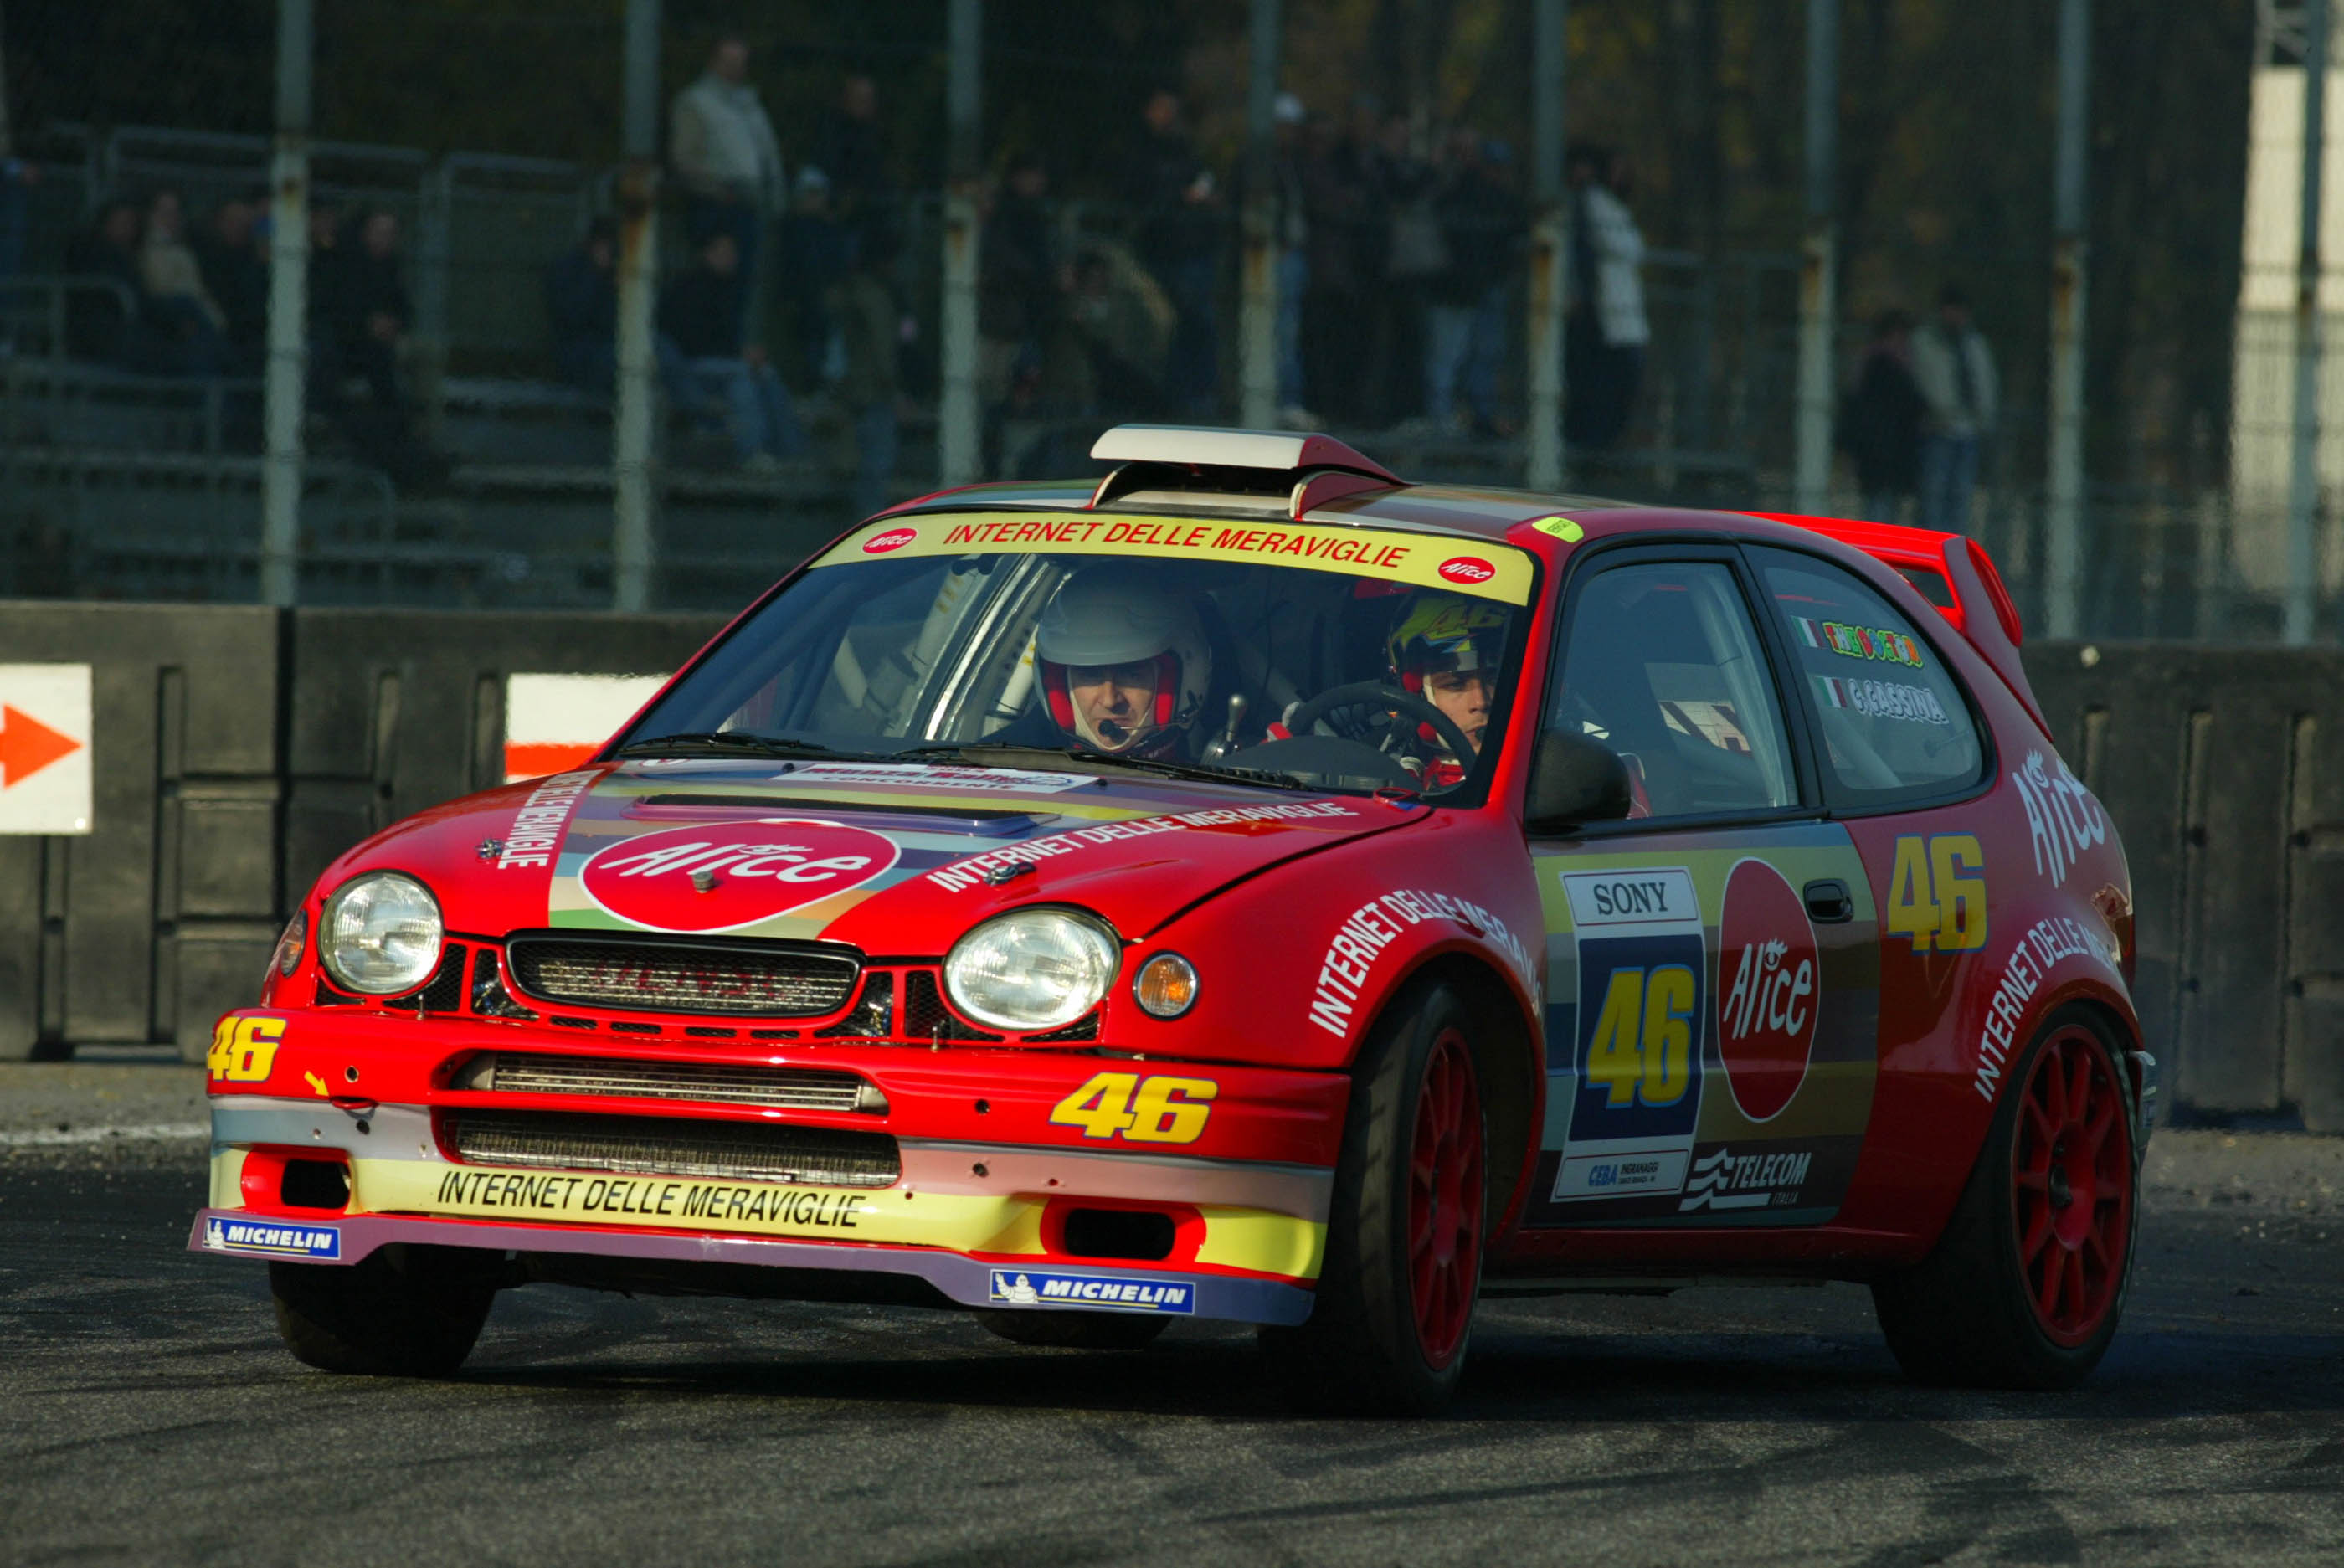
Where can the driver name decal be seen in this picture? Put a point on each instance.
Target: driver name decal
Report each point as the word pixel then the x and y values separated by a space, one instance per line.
pixel 724 877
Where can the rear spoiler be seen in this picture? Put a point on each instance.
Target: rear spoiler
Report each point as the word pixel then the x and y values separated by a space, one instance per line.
pixel 1953 572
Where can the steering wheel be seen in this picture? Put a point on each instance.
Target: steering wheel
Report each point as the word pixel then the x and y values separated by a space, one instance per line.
pixel 1307 714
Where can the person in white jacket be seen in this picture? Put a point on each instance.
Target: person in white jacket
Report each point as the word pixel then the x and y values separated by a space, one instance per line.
pixel 722 147
pixel 1606 331
pixel 1953 369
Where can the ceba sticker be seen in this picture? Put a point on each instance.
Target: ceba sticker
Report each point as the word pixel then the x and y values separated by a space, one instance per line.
pixel 882 543
pixel 1467 569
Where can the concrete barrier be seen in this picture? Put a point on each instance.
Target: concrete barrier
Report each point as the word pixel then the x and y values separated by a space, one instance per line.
pixel 239 749
pixel 164 913
pixel 2224 771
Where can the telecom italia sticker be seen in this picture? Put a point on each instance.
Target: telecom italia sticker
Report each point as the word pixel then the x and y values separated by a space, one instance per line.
pixel 1038 1287
pixel 273 1241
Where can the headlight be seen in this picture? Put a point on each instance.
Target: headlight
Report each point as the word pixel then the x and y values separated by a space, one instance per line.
pixel 380 933
pixel 1032 970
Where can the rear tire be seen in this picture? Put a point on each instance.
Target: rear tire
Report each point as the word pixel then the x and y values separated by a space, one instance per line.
pixel 402 1312
pixel 1394 1315
pixel 1077 1330
pixel 2025 1288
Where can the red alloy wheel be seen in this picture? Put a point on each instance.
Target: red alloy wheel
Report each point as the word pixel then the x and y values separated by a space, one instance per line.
pixel 1444 1199
pixel 2071 1186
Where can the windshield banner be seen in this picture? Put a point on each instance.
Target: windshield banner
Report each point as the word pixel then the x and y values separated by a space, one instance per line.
pixel 1485 570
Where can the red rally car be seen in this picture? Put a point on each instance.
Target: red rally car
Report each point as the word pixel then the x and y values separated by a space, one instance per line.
pixel 1250 887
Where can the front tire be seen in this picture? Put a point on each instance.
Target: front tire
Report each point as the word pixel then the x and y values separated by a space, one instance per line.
pixel 1394 1314
pixel 2025 1288
pixel 401 1311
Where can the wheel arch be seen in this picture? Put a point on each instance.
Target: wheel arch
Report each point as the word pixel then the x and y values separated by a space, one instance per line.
pixel 1505 1057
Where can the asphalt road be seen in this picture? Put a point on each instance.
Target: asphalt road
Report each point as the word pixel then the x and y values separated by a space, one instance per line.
pixel 147 1414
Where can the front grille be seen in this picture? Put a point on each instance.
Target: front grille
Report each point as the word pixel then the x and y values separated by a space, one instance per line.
pixel 445 993
pixel 926 1017
pixel 759 980
pixel 780 1088
pixel 659 1146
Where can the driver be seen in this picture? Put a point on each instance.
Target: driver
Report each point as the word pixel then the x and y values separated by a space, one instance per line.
pixel 1447 648
pixel 1124 665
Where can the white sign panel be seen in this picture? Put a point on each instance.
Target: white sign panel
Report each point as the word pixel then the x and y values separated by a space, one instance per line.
pixel 44 766
pixel 553 722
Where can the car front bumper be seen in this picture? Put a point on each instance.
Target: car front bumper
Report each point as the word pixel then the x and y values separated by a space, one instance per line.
pixel 980 1209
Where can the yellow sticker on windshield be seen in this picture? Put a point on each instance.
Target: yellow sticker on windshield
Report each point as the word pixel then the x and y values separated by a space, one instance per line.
pixel 1486 570
pixel 1562 528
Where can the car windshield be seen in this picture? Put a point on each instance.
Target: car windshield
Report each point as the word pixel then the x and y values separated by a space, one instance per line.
pixel 1279 653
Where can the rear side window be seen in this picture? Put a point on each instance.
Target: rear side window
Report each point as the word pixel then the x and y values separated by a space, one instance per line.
pixel 1892 718
pixel 1664 666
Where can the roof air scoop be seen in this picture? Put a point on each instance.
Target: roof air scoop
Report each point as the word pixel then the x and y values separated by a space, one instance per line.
pixel 1253 470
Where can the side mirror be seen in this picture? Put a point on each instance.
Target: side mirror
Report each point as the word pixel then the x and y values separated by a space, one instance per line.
pixel 1576 779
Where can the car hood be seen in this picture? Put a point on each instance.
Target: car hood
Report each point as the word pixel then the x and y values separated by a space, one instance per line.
pixel 897 859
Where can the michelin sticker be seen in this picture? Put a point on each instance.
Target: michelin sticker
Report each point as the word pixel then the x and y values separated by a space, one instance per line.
pixel 1634 1091
pixel 1043 1288
pixel 273 1239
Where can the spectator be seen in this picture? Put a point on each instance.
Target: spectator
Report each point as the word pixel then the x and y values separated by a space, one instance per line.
pixel 724 152
pixel 1414 253
pixel 361 295
pixel 1953 369
pixel 185 333
pixel 582 301
pixel 849 146
pixel 17 177
pixel 871 327
pixel 101 322
pixel 1482 226
pixel 700 315
pixel 1125 324
pixel 816 250
pixel 1344 260
pixel 1290 231
pixel 359 314
pixel 1019 284
pixel 1606 333
pixel 1880 422
pixel 236 275
pixel 1176 203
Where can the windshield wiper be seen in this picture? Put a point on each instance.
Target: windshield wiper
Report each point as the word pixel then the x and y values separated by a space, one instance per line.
pixel 1201 772
pixel 737 742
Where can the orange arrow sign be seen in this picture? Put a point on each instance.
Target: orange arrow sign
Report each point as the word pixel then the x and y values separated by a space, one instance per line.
pixel 28 745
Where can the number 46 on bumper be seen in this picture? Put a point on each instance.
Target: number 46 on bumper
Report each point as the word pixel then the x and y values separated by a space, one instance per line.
pixel 1156 1109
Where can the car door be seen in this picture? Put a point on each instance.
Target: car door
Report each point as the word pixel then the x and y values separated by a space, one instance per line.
pixel 1712 973
pixel 1903 759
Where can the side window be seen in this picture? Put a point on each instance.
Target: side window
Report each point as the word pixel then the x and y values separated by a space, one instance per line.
pixel 1893 716
pixel 1663 665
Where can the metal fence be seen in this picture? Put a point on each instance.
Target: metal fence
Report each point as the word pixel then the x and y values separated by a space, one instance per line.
pixel 121 485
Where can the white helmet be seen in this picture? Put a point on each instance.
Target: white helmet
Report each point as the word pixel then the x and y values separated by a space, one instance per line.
pixel 1109 615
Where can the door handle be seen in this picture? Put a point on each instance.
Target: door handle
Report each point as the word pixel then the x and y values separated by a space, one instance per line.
pixel 1828 903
